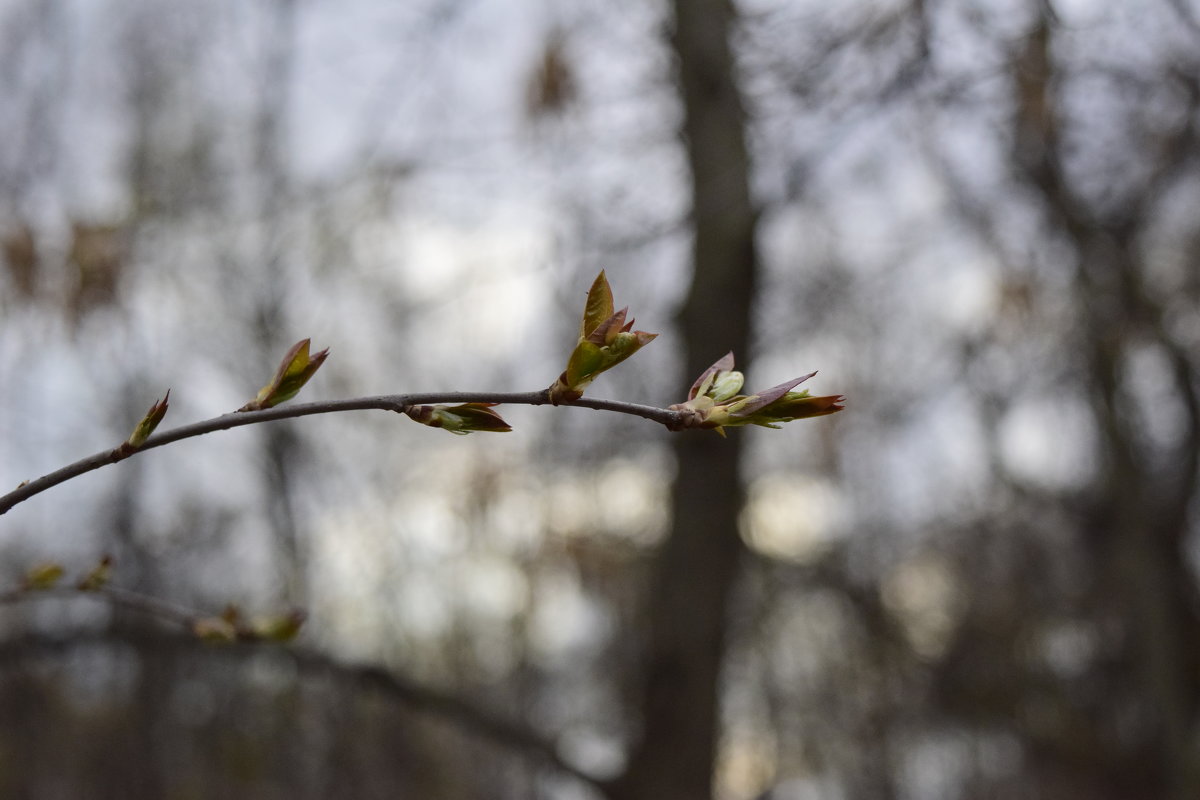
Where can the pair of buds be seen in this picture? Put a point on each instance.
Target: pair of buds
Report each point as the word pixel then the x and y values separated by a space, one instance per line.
pixel 714 401
pixel 606 339
pixel 293 372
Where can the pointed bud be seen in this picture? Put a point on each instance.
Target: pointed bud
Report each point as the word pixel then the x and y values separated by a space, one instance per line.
pixel 147 424
pixel 460 419
pixel 97 577
pixel 43 576
pixel 294 371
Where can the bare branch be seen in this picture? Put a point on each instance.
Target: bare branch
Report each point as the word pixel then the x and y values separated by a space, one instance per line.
pixel 392 402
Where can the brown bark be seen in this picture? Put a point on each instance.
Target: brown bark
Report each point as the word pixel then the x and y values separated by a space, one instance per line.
pixel 698 564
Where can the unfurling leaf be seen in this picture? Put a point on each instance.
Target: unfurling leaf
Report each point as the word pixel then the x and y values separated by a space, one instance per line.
pixel 605 340
pixel 97 577
pixel 599 306
pixel 148 423
pixel 294 371
pixel 461 419
pixel 713 401
pixel 585 360
pixel 722 368
pixel 796 405
pixel 43 576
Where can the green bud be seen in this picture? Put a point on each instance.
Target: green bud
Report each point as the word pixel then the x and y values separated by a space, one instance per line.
pixel 43 576
pixel 714 402
pixel 294 371
pixel 726 385
pixel 605 340
pixel 148 423
pixel 460 419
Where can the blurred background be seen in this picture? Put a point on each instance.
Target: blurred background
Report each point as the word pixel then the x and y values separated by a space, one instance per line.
pixel 979 220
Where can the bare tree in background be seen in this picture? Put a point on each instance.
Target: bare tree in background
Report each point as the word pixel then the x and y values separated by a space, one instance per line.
pixel 696 568
pixel 981 215
pixel 1035 635
pixel 1131 529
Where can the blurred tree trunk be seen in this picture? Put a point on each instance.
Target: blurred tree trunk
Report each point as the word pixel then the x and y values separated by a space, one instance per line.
pixel 1133 530
pixel 698 564
pixel 283 447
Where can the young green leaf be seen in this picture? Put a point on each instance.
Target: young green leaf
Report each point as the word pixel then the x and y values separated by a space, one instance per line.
pixel 97 577
pixel 294 371
pixel 605 340
pixel 43 576
pixel 599 306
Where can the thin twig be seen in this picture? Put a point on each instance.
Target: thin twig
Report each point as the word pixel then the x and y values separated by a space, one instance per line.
pixel 143 604
pixel 390 402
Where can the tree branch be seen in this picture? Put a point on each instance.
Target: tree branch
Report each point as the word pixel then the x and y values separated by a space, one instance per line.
pixel 503 732
pixel 482 722
pixel 398 403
